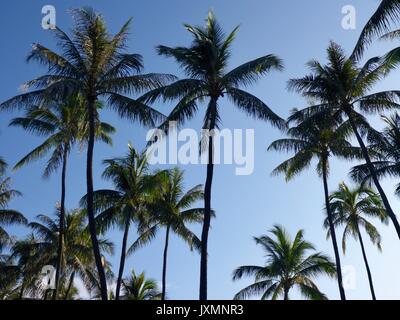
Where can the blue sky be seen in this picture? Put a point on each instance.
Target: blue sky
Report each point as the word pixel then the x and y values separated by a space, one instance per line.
pixel 246 206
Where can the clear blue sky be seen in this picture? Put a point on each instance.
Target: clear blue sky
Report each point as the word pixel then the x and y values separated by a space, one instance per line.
pixel 246 206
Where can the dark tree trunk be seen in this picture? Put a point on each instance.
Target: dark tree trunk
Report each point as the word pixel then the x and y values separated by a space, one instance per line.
pixel 62 221
pixel 21 293
pixel 332 231
pixel 207 207
pixel 286 294
pixel 122 260
pixel 372 171
pixel 71 282
pixel 90 208
pixel 164 273
pixel 371 285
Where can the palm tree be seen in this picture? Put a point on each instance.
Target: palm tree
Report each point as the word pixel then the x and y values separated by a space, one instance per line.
pixel 320 140
pixel 288 265
pixel 351 208
pixel 94 64
pixel 342 89
pixel 386 148
pixel 137 287
pixel 77 256
pixel 172 209
pixel 126 204
pixel 7 216
pixel 205 63
pixel 63 125
pixel 386 15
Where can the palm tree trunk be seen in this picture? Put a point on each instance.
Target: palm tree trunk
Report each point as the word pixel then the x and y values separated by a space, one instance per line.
pixel 207 209
pixel 286 294
pixel 332 230
pixel 90 208
pixel 372 170
pixel 122 260
pixel 71 282
pixel 62 220
pixel 164 273
pixel 371 285
pixel 21 293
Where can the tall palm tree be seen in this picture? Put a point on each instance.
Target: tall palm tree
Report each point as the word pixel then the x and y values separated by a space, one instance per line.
pixel 94 64
pixel 7 216
pixel 342 89
pixel 127 203
pixel 63 125
pixel 386 148
pixel 77 255
pixel 352 208
pixel 320 140
pixel 173 210
pixel 289 264
pixel 205 63
pixel 386 15
pixel 137 287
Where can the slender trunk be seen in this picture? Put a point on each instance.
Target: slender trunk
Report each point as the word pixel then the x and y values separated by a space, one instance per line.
pixel 122 260
pixel 61 227
pixel 71 282
pixel 207 209
pixel 371 285
pixel 332 231
pixel 164 273
pixel 21 293
pixel 285 293
pixel 372 171
pixel 90 208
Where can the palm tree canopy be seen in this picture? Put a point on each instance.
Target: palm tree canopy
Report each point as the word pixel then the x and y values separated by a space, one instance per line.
pixel 386 149
pixel 8 216
pixel 133 190
pixel 310 139
pixel 172 207
pixel 92 63
pixel 137 287
pixel 352 209
pixel 288 264
pixel 63 124
pixel 342 88
pixel 386 15
pixel 205 62
pixel 77 251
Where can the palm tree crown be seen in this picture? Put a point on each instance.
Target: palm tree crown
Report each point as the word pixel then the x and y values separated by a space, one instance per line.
pixel 8 216
pixel 137 287
pixel 288 265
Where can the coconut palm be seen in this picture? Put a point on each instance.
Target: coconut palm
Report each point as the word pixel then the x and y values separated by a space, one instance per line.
pixel 205 62
pixel 8 216
pixel 352 208
pixel 63 125
pixel 126 203
pixel 386 147
pixel 173 210
pixel 386 16
pixel 137 287
pixel 342 89
pixel 77 256
pixel 289 263
pixel 317 140
pixel 94 64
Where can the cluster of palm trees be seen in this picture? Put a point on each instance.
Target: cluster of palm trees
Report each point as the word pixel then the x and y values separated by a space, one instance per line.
pixel 92 70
